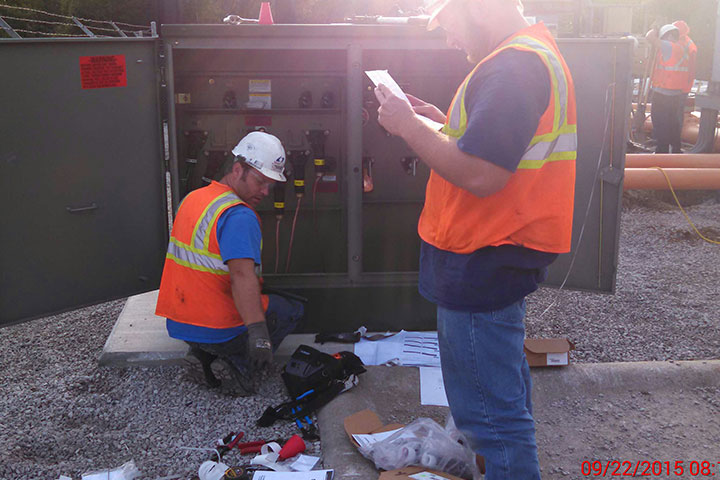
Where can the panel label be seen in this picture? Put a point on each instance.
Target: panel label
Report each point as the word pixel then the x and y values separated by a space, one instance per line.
pixel 103 71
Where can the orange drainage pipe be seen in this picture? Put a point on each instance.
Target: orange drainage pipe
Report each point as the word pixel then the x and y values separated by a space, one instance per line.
pixel 664 160
pixel 680 178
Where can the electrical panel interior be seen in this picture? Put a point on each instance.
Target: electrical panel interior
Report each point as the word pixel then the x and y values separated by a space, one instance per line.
pixel 300 97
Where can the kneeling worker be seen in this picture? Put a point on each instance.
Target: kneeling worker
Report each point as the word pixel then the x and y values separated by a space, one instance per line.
pixel 210 290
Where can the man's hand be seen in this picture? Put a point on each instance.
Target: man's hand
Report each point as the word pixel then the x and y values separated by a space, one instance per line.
pixel 394 114
pixel 425 109
pixel 259 346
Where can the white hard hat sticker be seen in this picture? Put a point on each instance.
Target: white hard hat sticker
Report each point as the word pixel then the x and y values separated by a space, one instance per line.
pixel 279 164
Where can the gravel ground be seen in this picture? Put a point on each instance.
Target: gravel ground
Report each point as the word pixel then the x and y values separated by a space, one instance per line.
pixel 62 414
pixel 666 302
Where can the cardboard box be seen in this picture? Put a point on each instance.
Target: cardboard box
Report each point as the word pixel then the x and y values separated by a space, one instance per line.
pixel 548 352
pixel 367 422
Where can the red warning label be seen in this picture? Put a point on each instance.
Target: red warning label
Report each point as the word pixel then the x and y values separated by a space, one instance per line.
pixel 103 71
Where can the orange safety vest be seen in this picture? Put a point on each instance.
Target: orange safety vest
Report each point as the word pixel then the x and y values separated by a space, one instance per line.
pixel 673 74
pixel 535 208
pixel 688 44
pixel 195 286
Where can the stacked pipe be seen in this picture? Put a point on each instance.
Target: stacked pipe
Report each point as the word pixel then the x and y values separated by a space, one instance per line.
pixel 684 171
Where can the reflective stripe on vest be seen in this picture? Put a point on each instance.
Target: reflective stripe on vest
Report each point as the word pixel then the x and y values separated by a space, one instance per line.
pixel 561 143
pixel 198 256
pixel 534 209
pixel 677 67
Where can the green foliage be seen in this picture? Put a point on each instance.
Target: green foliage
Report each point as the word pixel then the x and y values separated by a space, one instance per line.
pixel 32 19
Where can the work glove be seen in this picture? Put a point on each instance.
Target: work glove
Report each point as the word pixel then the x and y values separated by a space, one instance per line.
pixel 259 346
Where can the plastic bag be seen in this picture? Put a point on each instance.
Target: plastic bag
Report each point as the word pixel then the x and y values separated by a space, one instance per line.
pixel 426 444
pixel 454 433
pixel 127 471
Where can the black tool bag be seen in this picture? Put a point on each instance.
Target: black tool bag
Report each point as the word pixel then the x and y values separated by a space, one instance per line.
pixel 309 368
pixel 313 378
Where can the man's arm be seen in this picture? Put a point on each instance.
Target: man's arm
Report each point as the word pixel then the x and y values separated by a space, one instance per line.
pixel 652 37
pixel 246 295
pixel 439 151
pixel 246 290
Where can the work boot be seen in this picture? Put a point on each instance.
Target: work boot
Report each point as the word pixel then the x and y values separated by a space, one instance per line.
pixel 206 359
pixel 236 379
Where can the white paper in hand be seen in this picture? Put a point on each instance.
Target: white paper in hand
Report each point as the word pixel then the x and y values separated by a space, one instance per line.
pixel 382 76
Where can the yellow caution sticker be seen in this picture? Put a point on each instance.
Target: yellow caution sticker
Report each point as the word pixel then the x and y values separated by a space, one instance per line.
pixel 319 162
pixel 279 204
pixel 299 183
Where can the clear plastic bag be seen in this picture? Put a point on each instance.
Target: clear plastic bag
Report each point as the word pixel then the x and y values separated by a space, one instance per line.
pixel 424 443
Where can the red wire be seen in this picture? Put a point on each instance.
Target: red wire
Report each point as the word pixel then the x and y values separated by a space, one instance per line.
pixel 292 234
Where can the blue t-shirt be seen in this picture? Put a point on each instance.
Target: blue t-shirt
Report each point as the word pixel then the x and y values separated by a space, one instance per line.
pixel 505 99
pixel 239 236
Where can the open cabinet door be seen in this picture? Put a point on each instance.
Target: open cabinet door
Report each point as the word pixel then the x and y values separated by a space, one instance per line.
pixel 82 183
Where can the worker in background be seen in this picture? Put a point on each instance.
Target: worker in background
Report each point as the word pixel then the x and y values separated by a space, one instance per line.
pixel 498 210
pixel 210 290
pixel 672 79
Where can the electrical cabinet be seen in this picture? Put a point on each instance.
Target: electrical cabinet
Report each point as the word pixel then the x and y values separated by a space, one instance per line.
pixel 354 193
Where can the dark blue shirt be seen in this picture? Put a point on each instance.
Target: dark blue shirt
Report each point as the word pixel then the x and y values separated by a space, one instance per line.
pixel 239 236
pixel 504 100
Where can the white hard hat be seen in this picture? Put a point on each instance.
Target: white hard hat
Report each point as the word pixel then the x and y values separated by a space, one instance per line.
pixel 433 8
pixel 665 29
pixel 264 152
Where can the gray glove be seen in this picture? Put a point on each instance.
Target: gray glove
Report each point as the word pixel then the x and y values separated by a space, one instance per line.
pixel 259 346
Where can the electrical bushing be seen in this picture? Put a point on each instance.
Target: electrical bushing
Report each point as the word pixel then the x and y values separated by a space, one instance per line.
pixel 305 100
pixel 317 139
pixel 279 199
pixel 298 159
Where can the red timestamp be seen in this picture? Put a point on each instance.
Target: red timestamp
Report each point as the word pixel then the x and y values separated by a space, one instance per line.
pixel 649 468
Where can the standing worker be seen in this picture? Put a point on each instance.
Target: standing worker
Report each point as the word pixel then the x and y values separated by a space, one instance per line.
pixel 210 291
pixel 498 210
pixel 672 80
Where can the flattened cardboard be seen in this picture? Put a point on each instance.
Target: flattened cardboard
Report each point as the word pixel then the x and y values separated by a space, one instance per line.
pixel 364 422
pixel 548 352
pixel 367 421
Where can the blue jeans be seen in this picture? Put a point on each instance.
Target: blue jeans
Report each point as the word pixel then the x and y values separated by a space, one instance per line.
pixel 282 317
pixel 487 380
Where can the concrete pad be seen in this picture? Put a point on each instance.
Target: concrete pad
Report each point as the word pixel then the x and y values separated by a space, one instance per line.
pixel 610 413
pixel 139 337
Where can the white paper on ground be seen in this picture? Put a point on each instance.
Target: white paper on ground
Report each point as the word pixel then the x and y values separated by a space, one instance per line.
pixel 367 439
pixel 427 476
pixel 557 358
pixel 304 463
pixel 420 349
pixel 382 76
pixel 380 351
pixel 432 388
pixel 312 475
pixel 127 471
pixel 411 349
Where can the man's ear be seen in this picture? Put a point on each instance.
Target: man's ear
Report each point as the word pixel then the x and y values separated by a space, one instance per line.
pixel 237 168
